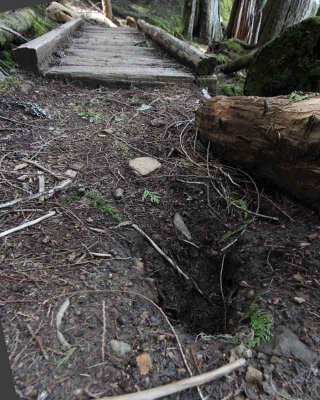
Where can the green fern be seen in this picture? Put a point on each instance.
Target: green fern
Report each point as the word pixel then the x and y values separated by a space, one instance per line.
pixel 152 196
pixel 261 324
pixel 102 205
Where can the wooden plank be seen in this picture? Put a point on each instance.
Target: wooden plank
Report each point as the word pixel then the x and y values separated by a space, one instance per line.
pixel 116 62
pixel 34 54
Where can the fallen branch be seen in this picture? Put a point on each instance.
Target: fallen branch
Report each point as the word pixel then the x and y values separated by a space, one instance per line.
pixel 13 32
pixel 47 193
pixel 62 310
pixel 179 386
pixel 44 169
pixel 26 224
pixel 41 185
pixel 39 341
pixel 238 64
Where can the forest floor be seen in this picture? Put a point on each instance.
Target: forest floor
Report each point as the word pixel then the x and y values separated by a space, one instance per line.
pixel 119 340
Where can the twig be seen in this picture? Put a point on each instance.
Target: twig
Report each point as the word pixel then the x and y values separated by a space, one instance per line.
pixel 39 341
pixel 181 385
pixel 47 193
pixel 103 339
pixel 35 164
pixel 27 224
pixel 60 315
pixel 221 290
pixel 41 185
pixel 102 255
pixel 17 34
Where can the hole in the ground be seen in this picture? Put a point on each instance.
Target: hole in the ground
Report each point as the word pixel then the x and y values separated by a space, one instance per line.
pixel 210 314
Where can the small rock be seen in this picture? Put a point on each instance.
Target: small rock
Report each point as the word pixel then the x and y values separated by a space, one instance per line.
pixel 313 236
pixel 244 284
pixel 251 294
pixel 286 344
pixel 299 300
pixel 138 266
pixel 253 376
pixel 158 122
pixel 144 166
pixel 45 240
pixel 119 348
pixel 144 363
pixel 275 360
pixel 181 226
pixel 2 76
pixel 298 278
pixel 118 194
pixel 71 173
pixel 304 244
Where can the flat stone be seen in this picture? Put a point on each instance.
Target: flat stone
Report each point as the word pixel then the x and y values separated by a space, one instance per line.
pixel 144 166
pixel 181 226
pixel 253 376
pixel 71 173
pixel 286 344
pixel 313 236
pixel 299 300
pixel 118 194
pixel 120 349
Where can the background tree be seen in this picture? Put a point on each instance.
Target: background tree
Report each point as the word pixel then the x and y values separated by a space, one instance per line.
pixel 202 20
pixel 107 8
pixel 278 15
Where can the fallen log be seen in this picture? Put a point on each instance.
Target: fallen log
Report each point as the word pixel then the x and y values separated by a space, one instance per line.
pixel 238 64
pixel 201 63
pixel 274 138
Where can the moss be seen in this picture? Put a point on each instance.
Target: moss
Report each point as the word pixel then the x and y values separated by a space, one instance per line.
pixel 10 84
pixel 227 89
pixel 7 59
pixel 233 46
pixel 223 58
pixel 288 63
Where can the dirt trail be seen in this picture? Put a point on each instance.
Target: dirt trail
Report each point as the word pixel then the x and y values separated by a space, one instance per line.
pixel 95 133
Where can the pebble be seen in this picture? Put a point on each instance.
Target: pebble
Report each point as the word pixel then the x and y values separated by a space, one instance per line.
pixel 119 348
pixel 275 360
pixel 299 300
pixel 313 236
pixel 253 376
pixel 118 194
pixel 297 277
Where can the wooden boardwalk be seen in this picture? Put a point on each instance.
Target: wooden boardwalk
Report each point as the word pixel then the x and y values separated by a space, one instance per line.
pixel 115 57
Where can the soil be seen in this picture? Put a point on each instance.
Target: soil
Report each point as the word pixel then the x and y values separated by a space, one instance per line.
pixel 233 257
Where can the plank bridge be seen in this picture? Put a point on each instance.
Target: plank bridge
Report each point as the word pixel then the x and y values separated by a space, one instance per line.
pixel 79 51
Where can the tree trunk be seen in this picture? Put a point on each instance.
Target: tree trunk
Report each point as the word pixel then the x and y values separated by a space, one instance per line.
pixel 107 8
pixel 238 64
pixel 245 20
pixel 274 138
pixel 201 63
pixel 202 20
pixel 279 15
pixel 209 21
pixel 20 21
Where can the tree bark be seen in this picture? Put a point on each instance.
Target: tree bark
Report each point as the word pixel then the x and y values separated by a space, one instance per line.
pixel 20 21
pixel 201 63
pixel 107 8
pixel 273 138
pixel 202 20
pixel 279 15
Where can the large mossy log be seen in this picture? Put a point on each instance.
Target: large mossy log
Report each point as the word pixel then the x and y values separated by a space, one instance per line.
pixel 273 138
pixel 201 63
pixel 20 21
pixel 288 63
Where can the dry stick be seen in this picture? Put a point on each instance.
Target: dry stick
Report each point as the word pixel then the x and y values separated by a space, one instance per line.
pixel 62 310
pixel 27 224
pixel 47 193
pixel 222 294
pixel 103 339
pixel 179 386
pixel 41 185
pixel 39 341
pixel 170 261
pixel 35 164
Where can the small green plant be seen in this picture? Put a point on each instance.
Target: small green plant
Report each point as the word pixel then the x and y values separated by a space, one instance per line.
pixel 65 359
pixel 295 97
pixel 152 196
pixel 261 324
pixel 120 119
pixel 90 116
pixel 238 229
pixel 102 205
pixel 39 27
pixel 223 58
pixel 11 82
